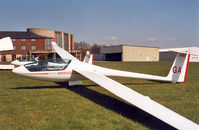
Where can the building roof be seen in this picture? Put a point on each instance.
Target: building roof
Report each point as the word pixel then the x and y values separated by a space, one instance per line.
pixel 20 35
pixel 128 45
pixel 191 50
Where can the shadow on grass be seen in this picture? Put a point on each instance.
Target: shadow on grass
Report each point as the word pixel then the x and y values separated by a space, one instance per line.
pixel 40 87
pixel 120 107
pixel 108 102
pixel 63 85
pixel 162 82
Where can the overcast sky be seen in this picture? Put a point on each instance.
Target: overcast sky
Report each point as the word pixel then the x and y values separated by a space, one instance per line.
pixel 159 23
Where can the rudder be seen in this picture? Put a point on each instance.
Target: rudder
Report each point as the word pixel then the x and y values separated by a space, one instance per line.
pixel 178 71
pixel 88 58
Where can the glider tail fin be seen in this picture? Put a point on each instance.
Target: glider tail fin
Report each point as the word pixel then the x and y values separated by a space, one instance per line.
pixel 178 71
pixel 88 58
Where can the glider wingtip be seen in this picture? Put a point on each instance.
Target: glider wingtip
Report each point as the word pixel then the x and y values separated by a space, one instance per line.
pixel 53 39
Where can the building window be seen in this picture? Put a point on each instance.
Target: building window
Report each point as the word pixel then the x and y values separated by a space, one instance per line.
pixel 33 40
pixel 33 47
pixel 23 40
pixel 66 43
pixel 58 39
pixel 71 43
pixel 23 47
pixel 14 47
pixel 48 45
pixel 194 57
pixel 13 40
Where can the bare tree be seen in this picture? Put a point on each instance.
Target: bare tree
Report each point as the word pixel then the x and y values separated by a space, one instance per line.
pixel 82 45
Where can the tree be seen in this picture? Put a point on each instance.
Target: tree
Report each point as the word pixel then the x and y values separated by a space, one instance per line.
pixel 82 45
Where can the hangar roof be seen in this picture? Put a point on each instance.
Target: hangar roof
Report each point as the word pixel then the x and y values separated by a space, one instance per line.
pixel 130 46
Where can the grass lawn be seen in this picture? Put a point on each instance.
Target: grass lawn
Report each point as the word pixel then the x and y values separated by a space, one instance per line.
pixel 33 104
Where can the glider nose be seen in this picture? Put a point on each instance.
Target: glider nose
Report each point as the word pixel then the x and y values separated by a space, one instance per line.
pixel 20 70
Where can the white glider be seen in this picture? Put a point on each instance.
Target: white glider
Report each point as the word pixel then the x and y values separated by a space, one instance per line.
pixel 18 63
pixel 6 44
pixel 69 69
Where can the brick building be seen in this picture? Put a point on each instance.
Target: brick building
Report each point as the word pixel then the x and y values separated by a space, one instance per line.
pixel 35 42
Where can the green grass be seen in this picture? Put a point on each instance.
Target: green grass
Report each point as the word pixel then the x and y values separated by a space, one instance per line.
pixel 33 104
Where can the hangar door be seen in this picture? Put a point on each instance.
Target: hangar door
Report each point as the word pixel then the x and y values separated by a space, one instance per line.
pixel 113 57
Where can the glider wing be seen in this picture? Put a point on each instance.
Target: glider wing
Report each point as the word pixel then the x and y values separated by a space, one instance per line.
pixel 6 44
pixel 62 53
pixel 140 101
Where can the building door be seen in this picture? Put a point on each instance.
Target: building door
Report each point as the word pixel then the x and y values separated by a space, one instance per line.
pixel 3 58
pixel 13 57
pixel 113 57
pixel 147 58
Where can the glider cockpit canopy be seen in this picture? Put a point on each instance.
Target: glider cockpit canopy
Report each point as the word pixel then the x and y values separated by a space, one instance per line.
pixel 48 65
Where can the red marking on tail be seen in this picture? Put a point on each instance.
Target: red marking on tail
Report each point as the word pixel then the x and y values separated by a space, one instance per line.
pixel 53 39
pixel 176 69
pixel 185 77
